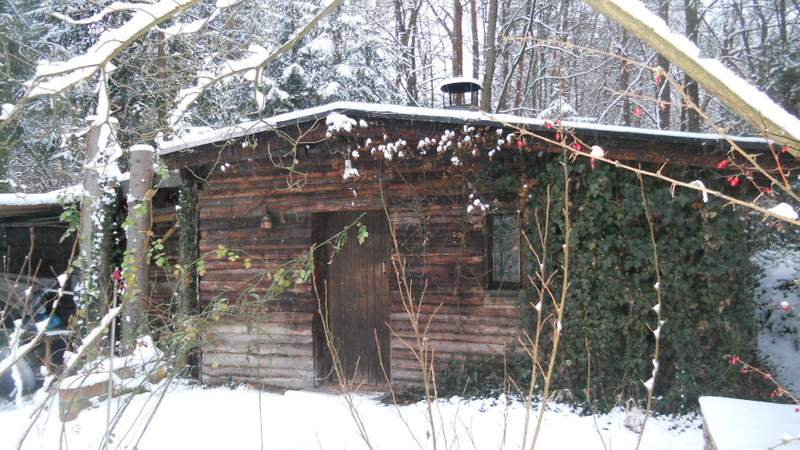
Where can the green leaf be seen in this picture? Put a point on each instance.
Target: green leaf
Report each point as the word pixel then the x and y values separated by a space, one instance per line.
pixel 362 233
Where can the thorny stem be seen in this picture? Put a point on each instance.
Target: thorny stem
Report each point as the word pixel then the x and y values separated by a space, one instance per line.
pixel 533 347
pixel 767 376
pixel 657 309
pixel 561 304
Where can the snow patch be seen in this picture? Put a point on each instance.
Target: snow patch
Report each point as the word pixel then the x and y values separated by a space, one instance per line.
pixel 322 44
pixel 778 301
pixel 598 152
pixel 6 110
pixel 344 70
pixel 193 417
pixel 57 197
pixel 784 210
pixel 746 424
pixel 337 122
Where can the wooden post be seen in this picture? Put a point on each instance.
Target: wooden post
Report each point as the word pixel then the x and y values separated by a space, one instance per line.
pixel 187 243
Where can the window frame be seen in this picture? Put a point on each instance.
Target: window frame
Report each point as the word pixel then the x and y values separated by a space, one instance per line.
pixel 490 282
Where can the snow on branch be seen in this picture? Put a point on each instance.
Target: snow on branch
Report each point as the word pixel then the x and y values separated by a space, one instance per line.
pixel 110 9
pixel 90 339
pixel 736 93
pixel 55 77
pixel 189 27
pixel 250 67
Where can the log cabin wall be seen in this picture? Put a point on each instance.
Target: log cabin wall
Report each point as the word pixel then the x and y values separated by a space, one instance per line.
pixel 277 343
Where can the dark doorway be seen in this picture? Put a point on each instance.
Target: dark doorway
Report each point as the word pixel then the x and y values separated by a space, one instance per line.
pixel 355 285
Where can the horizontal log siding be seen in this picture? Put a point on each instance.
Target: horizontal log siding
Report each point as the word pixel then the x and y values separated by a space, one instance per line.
pixel 427 211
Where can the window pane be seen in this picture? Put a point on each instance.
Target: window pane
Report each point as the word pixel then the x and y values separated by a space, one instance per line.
pixel 505 249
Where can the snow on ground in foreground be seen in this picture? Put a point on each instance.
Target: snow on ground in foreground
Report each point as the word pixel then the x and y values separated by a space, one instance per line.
pixel 780 343
pixel 222 418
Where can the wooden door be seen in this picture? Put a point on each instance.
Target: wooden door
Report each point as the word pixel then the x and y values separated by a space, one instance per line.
pixel 358 296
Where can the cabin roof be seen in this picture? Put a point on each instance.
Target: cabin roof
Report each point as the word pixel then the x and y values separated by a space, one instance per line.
pixel 18 204
pixel 195 137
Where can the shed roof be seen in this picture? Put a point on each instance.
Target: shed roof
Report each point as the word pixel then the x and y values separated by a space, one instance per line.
pixel 195 137
pixel 19 204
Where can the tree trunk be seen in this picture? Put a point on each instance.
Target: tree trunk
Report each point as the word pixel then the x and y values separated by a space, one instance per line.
pixel 95 245
pixel 136 270
pixel 407 35
pixel 691 90
pixel 457 41
pixel 662 84
pixel 490 56
pixel 624 80
pixel 476 46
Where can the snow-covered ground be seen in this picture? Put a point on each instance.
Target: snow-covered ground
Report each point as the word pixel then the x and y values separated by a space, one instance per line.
pixel 779 307
pixel 222 418
pixel 192 416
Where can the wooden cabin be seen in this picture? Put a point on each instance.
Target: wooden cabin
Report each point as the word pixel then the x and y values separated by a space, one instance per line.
pixel 256 198
pixel 31 231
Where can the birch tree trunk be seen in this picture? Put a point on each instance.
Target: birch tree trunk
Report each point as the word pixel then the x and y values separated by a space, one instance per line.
pixel 136 268
pixel 94 241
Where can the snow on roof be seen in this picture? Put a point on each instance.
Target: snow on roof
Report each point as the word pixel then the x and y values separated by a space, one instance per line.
pixel 194 137
pixel 52 198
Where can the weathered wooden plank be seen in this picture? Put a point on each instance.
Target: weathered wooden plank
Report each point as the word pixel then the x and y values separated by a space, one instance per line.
pixel 284 383
pixel 459 347
pixel 259 338
pixel 269 329
pixel 263 349
pixel 247 360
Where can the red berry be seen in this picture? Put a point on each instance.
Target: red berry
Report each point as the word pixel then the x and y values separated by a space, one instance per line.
pixel 558 136
pixel 734 360
pixel 723 164
pixel 734 181
pixel 637 111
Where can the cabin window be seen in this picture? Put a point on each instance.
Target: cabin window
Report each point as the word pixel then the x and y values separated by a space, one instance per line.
pixel 503 251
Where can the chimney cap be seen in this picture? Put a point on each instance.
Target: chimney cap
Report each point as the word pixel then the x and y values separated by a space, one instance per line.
pixel 460 85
